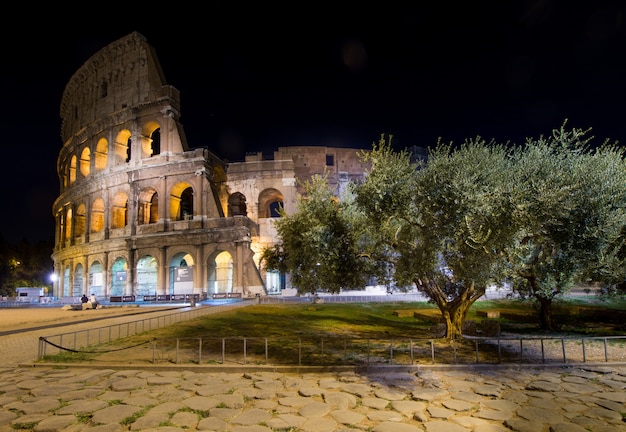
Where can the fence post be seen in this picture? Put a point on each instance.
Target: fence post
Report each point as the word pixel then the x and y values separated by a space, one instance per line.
pixel 432 351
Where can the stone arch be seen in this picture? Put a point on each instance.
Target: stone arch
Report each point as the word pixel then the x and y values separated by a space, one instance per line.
pixel 72 170
pixel 181 271
pixel 270 201
pixel 101 154
pixel 148 211
pixel 97 216
pixel 85 162
pixel 96 279
pixel 220 273
pixel 119 276
pixel 181 202
pixel 147 275
pixel 123 147
pixel 150 139
pixel 68 224
pixel 79 220
pixel 77 288
pixel 119 210
pixel 66 281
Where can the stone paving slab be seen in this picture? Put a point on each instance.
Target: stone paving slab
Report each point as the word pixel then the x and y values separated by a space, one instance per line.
pixel 145 400
pixel 493 398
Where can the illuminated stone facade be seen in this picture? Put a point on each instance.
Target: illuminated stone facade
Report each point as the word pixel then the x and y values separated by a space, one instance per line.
pixel 141 214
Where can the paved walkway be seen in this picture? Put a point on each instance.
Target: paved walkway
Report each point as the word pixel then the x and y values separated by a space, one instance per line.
pixel 486 398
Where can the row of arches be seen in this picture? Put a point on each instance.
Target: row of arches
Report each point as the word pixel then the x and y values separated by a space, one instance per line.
pixel 81 164
pixel 84 218
pixel 182 275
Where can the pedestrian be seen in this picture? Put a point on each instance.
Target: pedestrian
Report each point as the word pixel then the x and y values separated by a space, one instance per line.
pixel 94 301
pixel 84 299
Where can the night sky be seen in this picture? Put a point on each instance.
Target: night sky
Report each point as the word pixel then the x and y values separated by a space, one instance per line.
pixel 254 77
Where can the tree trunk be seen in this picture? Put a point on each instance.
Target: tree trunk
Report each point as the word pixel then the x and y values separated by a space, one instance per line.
pixel 546 318
pixel 454 315
pixel 455 310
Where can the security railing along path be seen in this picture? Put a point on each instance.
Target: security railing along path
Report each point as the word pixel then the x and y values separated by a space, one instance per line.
pixel 80 339
pixel 400 351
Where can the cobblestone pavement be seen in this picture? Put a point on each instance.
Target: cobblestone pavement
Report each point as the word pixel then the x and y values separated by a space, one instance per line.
pixel 480 398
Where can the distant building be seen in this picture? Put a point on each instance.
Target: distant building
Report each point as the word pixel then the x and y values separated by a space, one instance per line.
pixel 142 214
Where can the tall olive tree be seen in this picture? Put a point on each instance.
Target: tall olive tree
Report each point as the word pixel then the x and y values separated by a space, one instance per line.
pixel 443 225
pixel 570 203
pixel 319 242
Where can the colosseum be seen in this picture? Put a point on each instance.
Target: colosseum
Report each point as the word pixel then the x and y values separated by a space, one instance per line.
pixel 142 215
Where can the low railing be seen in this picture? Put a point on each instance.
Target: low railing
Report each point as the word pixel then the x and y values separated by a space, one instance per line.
pixel 77 340
pixel 359 352
pixel 399 351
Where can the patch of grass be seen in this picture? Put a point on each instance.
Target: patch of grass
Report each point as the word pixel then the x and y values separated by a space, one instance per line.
pixel 359 322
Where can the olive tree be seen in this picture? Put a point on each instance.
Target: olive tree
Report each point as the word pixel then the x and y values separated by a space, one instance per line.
pixel 569 209
pixel 441 225
pixel 319 246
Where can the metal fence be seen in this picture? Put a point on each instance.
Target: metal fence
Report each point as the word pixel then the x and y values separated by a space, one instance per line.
pixel 328 351
pixel 400 351
pixel 77 340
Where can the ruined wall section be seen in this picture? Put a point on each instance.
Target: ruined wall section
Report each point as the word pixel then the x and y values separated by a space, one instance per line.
pixel 122 75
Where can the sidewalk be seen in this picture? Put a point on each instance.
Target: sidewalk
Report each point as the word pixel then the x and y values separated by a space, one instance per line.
pixel 183 398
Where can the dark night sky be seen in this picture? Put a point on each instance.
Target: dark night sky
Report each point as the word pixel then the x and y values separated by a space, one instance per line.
pixel 254 77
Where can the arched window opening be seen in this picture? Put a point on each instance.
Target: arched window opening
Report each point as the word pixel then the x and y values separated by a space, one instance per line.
pixel 154 208
pixel 72 170
pixel 181 274
pixel 275 208
pixel 270 202
pixel 186 204
pixel 148 211
pixel 80 220
pixel 129 146
pixel 102 154
pixel 147 276
pixel 275 282
pixel 119 211
pixel 156 142
pixel 68 224
pixel 66 282
pixel 77 289
pixel 181 202
pixel 220 274
pixel 119 275
pixel 85 162
pixel 97 216
pixel 122 150
pixel 96 279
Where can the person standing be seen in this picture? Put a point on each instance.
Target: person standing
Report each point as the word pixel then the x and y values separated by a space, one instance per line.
pixel 94 301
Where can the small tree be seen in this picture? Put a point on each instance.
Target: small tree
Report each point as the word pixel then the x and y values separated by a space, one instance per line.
pixel 442 225
pixel 569 209
pixel 319 242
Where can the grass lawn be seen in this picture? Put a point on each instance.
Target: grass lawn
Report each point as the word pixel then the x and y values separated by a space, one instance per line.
pixel 359 323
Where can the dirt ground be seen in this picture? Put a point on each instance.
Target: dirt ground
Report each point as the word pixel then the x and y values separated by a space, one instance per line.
pixel 29 317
